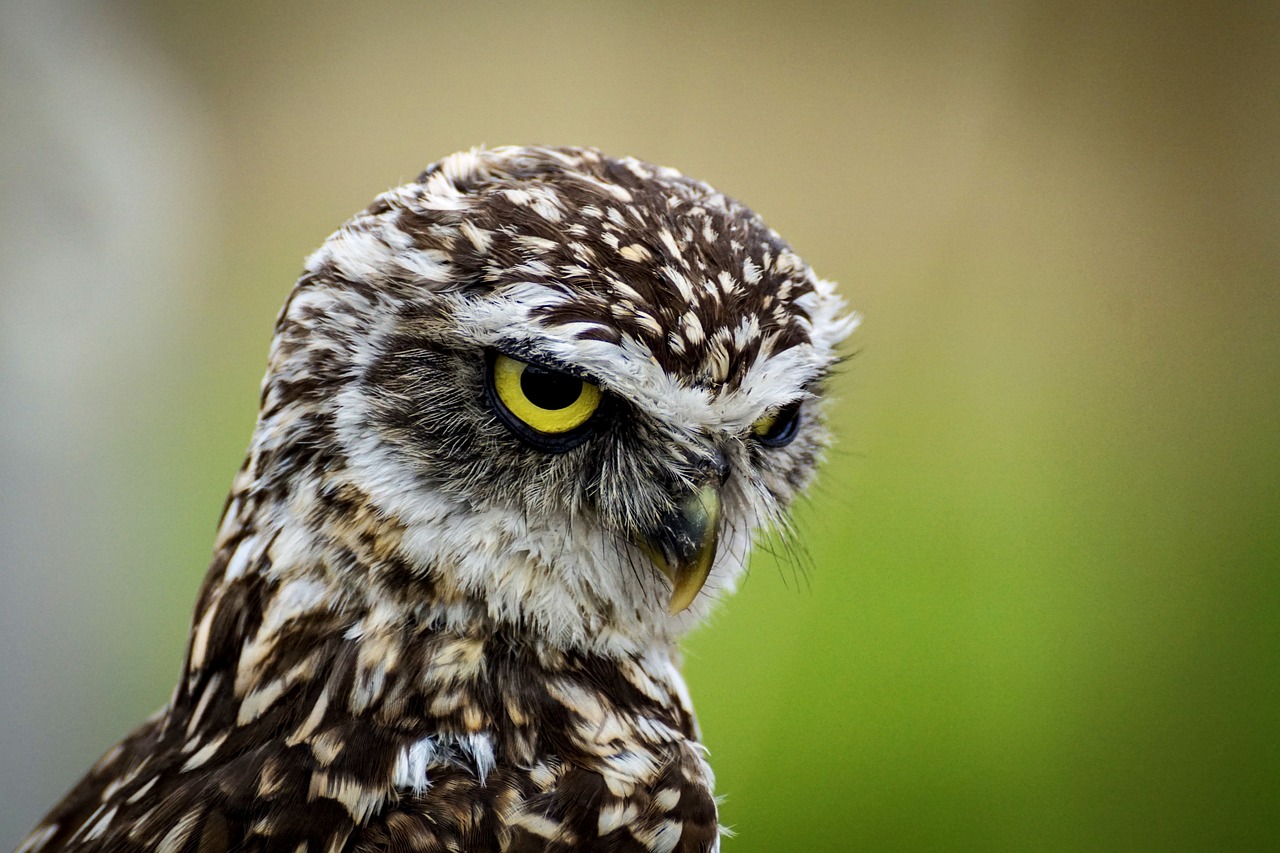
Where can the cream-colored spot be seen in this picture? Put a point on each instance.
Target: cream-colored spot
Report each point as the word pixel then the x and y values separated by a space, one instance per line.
pixel 666 799
pixel 624 771
pixel 259 701
pixel 478 237
pixel 142 792
pixel 179 833
pixel 200 639
pixel 204 754
pixel 271 778
pixel 543 775
pixel 542 826
pixel 326 748
pixel 206 696
pixel 245 551
pixel 659 838
pixel 693 328
pixel 360 801
pixel 615 816
pixel 313 720
pixel 636 253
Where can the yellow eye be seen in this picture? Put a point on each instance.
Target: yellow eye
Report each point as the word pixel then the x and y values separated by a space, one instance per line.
pixel 778 427
pixel 764 426
pixel 548 402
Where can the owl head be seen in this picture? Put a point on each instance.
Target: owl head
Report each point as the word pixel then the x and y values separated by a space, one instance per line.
pixel 547 389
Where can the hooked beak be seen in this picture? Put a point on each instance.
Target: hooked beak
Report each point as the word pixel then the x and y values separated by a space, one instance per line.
pixel 683 545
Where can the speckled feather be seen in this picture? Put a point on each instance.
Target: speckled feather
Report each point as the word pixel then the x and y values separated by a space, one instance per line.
pixel 419 633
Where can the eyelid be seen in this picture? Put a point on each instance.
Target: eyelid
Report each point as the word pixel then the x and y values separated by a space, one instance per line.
pixel 531 355
pixel 553 430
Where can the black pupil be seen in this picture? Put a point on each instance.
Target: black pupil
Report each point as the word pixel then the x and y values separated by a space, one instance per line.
pixel 549 390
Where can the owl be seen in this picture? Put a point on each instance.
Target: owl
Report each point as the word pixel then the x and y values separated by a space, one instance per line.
pixel 520 422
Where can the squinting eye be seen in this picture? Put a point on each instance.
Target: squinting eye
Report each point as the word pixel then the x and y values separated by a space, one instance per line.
pixel 779 427
pixel 544 406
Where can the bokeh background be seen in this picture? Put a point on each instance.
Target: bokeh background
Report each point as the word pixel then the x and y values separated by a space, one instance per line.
pixel 1041 603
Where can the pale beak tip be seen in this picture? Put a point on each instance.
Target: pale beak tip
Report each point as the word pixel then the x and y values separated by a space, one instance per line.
pixel 686 560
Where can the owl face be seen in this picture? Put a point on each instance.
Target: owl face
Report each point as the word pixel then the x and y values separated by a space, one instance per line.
pixel 577 386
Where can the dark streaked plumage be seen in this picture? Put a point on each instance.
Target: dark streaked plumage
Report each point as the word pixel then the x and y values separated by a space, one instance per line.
pixel 442 610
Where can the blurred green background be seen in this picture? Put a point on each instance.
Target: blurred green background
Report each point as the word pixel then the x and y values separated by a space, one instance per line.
pixel 1041 609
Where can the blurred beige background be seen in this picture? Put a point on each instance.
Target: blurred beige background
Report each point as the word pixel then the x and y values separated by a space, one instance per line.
pixel 1041 606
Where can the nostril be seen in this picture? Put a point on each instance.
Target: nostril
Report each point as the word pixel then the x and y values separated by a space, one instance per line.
pixel 704 465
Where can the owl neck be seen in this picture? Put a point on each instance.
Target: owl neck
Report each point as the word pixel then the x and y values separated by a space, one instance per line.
pixel 297 569
pixel 371 689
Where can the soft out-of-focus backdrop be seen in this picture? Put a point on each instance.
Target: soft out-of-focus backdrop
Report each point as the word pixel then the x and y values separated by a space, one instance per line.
pixel 1043 608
